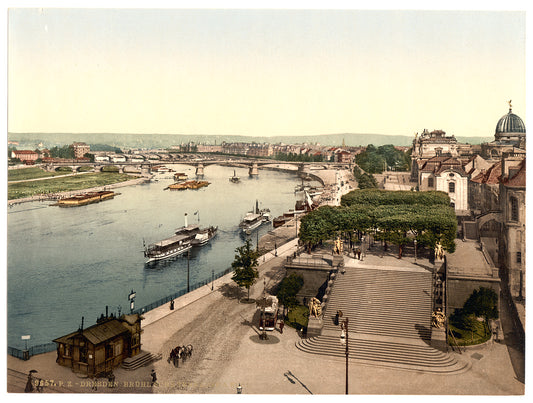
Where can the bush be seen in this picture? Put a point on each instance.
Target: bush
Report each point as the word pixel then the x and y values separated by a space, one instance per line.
pixel 298 317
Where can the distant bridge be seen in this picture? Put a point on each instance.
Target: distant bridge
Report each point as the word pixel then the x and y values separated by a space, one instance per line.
pixel 147 166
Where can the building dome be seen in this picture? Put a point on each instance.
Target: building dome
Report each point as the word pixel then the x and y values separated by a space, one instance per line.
pixel 510 123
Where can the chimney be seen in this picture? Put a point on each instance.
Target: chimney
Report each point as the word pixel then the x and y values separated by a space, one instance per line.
pixel 106 314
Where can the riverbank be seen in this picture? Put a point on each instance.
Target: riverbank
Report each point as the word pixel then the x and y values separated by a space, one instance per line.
pixel 62 195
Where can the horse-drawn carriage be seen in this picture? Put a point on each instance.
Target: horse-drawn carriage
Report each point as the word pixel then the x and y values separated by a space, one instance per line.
pixel 180 352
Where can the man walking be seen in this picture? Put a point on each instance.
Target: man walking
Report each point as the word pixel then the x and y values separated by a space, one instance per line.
pixel 154 378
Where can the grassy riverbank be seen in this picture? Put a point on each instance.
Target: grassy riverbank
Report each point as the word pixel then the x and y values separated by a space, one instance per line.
pixel 31 173
pixel 64 184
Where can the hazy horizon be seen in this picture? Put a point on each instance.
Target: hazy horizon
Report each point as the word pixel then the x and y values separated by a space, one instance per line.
pixel 263 72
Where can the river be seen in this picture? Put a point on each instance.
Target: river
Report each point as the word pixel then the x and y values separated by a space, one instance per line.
pixel 65 263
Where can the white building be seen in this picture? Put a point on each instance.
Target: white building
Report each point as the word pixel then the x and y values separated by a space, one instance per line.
pixel 445 174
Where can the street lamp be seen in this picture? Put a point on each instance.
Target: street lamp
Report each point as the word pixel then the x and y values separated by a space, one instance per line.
pixel 363 249
pixel 415 250
pixel 188 271
pixel 263 335
pixel 131 298
pixel 344 342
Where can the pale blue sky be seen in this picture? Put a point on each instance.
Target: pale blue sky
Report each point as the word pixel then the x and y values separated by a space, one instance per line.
pixel 264 72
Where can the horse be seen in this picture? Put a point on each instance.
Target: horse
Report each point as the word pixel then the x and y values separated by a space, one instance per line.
pixel 175 355
pixel 186 352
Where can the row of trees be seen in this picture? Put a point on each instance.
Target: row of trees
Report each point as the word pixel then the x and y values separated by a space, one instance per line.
pixel 397 217
pixel 378 159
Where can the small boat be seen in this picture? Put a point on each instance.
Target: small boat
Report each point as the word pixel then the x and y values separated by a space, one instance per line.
pixel 161 169
pixel 234 178
pixel 204 236
pixel 180 176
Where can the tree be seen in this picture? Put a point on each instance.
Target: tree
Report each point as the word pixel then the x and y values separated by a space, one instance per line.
pixel 482 303
pixel 245 266
pixel 289 287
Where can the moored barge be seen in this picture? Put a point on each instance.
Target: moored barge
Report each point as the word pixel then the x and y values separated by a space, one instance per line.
pixel 86 198
pixel 188 185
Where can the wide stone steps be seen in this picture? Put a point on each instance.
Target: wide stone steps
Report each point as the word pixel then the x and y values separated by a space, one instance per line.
pixel 389 314
pixel 382 302
pixel 384 353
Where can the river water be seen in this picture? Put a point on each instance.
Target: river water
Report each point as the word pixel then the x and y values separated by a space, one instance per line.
pixel 65 263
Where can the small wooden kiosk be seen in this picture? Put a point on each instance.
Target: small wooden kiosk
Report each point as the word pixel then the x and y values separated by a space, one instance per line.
pixel 95 351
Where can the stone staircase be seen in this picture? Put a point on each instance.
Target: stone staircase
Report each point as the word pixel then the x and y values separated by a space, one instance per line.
pixel 389 320
pixel 140 360
pixel 382 302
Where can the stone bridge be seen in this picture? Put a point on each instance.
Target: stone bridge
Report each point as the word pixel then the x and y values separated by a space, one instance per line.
pixel 145 167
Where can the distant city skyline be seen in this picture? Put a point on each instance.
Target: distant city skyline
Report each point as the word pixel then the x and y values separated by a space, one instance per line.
pixel 264 72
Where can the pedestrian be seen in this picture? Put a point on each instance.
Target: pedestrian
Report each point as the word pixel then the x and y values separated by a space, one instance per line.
pixel 154 378
pixel 172 305
pixel 281 324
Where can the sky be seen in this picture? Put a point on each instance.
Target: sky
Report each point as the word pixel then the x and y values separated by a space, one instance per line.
pixel 264 72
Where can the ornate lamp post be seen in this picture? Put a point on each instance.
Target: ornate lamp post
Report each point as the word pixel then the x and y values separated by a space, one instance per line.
pixel 415 250
pixel 363 249
pixel 131 297
pixel 344 342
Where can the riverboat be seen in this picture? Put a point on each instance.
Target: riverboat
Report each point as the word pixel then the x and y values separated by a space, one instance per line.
pixel 184 238
pixel 167 248
pixel 198 236
pixel 301 207
pixel 234 178
pixel 188 185
pixel 86 198
pixel 254 219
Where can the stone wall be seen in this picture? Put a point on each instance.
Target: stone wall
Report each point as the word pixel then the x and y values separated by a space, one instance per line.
pixel 460 288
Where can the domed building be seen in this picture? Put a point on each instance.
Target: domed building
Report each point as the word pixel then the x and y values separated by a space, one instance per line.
pixel 510 134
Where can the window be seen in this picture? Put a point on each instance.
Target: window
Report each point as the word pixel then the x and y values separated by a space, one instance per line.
pixel 431 182
pixel 514 209
pixel 518 257
pixel 451 187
